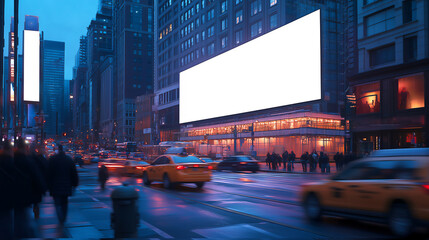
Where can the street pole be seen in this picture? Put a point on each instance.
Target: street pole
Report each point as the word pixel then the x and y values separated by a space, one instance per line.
pixel 15 69
pixel 235 139
pixel 1 66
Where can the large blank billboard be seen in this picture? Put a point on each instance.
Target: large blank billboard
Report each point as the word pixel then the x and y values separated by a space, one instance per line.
pixel 282 67
pixel 31 66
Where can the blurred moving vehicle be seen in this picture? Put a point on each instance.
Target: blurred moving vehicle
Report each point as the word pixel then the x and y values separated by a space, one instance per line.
pixel 136 156
pixel 134 168
pixel 209 161
pixel 390 186
pixel 174 169
pixel 239 163
pixel 112 164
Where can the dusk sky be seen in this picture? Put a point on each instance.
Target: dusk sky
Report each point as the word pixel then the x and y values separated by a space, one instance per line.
pixel 60 20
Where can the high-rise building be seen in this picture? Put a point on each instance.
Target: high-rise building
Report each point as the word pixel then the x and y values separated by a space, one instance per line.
pixel 133 47
pixel 80 92
pixel 107 134
pixel 191 32
pixel 53 86
pixel 99 40
pixel 68 106
pixel 389 94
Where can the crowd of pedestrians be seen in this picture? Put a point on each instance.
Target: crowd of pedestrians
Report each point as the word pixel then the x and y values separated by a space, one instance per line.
pixel 26 175
pixel 309 161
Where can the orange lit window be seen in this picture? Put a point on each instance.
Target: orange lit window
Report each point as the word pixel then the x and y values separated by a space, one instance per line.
pixel 368 98
pixel 411 92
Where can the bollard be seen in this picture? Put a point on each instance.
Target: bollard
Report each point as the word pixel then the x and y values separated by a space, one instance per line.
pixel 125 217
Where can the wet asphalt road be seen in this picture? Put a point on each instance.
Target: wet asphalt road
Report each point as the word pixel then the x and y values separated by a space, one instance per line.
pixel 232 205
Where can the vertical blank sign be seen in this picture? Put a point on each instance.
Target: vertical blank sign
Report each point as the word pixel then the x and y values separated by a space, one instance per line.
pixel 31 66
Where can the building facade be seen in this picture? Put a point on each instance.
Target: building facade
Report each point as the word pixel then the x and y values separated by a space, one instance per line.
pixel 191 32
pixel 133 69
pixel 144 119
pixel 107 120
pixel 53 86
pixel 390 90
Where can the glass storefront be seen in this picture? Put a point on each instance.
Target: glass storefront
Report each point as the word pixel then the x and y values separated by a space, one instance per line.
pixel 411 92
pixel 368 98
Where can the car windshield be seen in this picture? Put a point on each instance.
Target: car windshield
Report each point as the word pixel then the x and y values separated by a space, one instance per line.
pixel 115 161
pixel 186 159
pixel 141 163
pixel 206 159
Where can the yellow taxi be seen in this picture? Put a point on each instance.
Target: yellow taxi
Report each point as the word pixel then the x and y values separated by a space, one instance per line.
pixel 113 164
pixel 390 186
pixel 135 168
pixel 172 169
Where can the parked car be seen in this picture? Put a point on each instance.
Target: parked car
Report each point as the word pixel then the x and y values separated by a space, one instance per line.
pixel 390 186
pixel 239 163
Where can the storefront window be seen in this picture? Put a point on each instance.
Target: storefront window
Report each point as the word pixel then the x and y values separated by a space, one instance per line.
pixel 411 92
pixel 368 98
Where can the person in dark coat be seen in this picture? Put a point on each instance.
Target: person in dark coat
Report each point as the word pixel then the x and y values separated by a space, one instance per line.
pixel 62 179
pixel 37 155
pixel 337 161
pixel 292 158
pixel 103 176
pixel 7 188
pixel 323 162
pixel 29 182
pixel 274 161
pixel 304 159
pixel 285 157
pixel 267 160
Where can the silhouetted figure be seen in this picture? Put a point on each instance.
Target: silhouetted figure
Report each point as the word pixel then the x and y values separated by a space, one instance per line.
pixel 341 161
pixel 267 160
pixel 323 161
pixel 304 159
pixel 29 183
pixel 37 155
pixel 62 178
pixel 274 161
pixel 403 98
pixel 7 190
pixel 285 157
pixel 292 157
pixel 103 176
pixel 337 161
pixel 367 108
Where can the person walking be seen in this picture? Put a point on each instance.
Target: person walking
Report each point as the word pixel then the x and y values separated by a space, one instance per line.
pixel 37 155
pixel 315 160
pixel 323 162
pixel 29 182
pixel 304 158
pixel 103 176
pixel 292 158
pixel 337 161
pixel 267 160
pixel 7 188
pixel 62 179
pixel 285 157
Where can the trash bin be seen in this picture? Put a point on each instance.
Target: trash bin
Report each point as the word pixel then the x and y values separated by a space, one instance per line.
pixel 125 216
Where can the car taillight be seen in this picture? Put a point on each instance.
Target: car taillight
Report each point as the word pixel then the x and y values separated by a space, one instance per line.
pixel 210 167
pixel 242 162
pixel 196 165
pixel 139 167
pixel 180 167
pixel 426 187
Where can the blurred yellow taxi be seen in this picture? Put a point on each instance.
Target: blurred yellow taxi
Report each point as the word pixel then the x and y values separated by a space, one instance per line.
pixel 390 186
pixel 134 168
pixel 172 169
pixel 113 164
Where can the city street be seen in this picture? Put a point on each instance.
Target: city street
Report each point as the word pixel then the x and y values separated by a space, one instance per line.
pixel 232 205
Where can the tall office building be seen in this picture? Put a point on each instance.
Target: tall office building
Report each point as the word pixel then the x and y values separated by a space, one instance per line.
pixel 53 86
pixel 390 89
pixel 80 92
pixel 99 40
pixel 191 32
pixel 68 106
pixel 133 46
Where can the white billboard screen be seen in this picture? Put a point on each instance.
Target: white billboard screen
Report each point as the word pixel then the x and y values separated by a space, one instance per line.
pixel 282 67
pixel 31 66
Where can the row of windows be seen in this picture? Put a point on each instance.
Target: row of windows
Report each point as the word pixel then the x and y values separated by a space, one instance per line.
pixel 166 31
pixel 386 54
pixel 384 20
pixel 169 96
pixel 164 6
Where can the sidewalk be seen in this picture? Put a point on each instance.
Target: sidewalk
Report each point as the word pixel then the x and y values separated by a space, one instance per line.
pixel 88 217
pixel 297 169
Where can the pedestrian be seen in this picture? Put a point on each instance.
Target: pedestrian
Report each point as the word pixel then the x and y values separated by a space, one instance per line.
pixel 304 158
pixel 7 189
pixel 285 157
pixel 341 161
pixel 29 182
pixel 103 176
pixel 315 160
pixel 337 161
pixel 62 179
pixel 37 155
pixel 267 160
pixel 323 162
pixel 292 157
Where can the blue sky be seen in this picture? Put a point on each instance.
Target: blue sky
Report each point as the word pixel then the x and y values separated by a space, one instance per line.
pixel 60 20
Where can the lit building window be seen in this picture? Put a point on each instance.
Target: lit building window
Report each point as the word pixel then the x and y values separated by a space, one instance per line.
pixel 238 16
pixel 273 2
pixel 411 92
pixel 368 98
